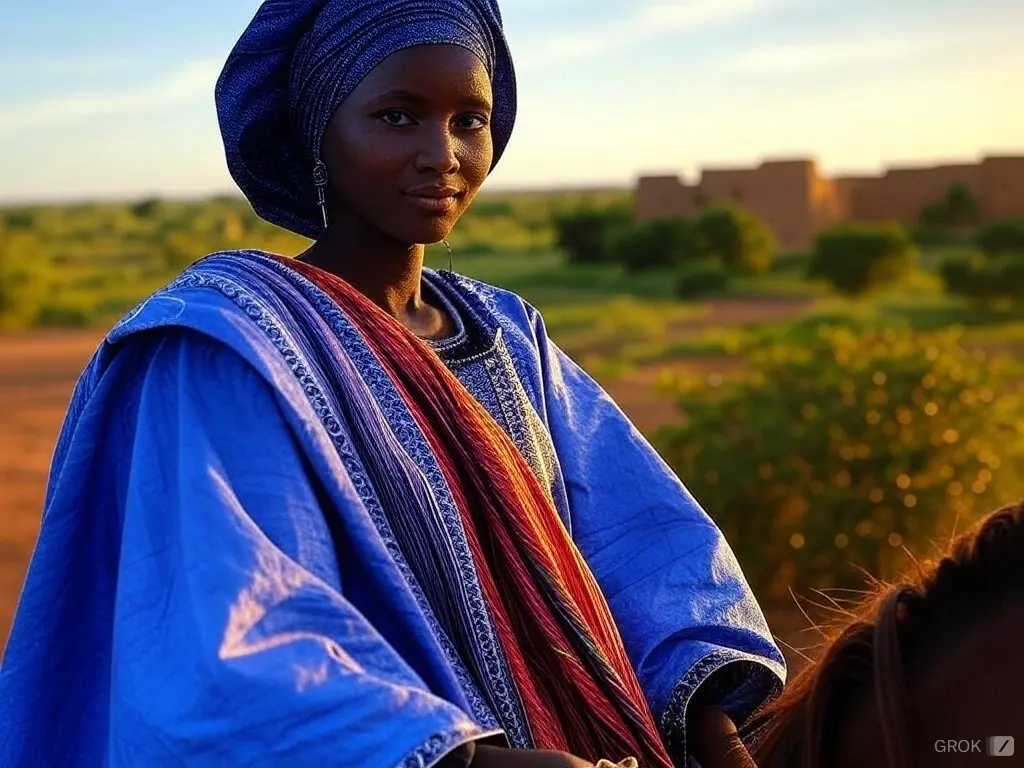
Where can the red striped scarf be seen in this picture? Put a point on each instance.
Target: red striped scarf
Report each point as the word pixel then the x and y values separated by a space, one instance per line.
pixel 578 688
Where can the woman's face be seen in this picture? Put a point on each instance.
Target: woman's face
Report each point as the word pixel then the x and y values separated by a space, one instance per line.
pixel 407 151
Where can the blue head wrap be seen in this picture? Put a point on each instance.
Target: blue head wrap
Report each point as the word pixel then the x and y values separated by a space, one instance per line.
pixel 299 59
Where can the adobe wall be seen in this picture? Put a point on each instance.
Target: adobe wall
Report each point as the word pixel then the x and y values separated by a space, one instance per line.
pixel 797 202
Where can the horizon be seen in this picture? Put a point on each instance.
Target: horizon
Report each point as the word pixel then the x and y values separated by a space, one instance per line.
pixel 659 88
pixel 487 190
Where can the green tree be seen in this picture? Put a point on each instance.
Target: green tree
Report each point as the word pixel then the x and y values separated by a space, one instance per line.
pixel 961 205
pixel 656 244
pixel 856 259
pixel 146 209
pixel 700 279
pixel 1002 237
pixel 984 278
pixel 737 238
pixel 833 452
pixel 957 209
pixel 588 235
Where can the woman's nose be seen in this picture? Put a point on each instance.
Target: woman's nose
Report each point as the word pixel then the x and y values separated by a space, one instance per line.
pixel 438 153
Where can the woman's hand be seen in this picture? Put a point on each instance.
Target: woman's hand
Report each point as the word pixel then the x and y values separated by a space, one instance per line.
pixel 714 741
pixel 496 757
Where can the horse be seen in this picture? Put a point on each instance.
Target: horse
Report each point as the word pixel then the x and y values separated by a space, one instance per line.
pixel 928 671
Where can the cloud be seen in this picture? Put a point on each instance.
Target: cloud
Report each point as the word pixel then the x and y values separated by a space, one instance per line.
pixel 193 80
pixel 965 38
pixel 649 22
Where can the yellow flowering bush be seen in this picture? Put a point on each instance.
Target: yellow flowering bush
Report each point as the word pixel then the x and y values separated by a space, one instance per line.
pixel 849 450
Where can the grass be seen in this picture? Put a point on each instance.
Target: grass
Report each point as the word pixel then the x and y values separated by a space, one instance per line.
pixel 86 265
pixel 595 313
pixel 612 321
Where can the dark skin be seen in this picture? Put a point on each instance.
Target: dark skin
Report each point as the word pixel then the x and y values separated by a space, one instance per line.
pixel 417 126
pixel 406 153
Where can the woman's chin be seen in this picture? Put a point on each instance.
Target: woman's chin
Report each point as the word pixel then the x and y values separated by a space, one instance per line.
pixel 425 234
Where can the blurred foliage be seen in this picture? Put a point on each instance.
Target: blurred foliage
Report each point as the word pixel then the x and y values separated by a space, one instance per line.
pixel 857 259
pixel 701 279
pixel 846 446
pixel 957 209
pixel 985 279
pixel 995 272
pixel 588 235
pixel 86 264
pixel 736 238
pixel 1002 237
pixel 656 244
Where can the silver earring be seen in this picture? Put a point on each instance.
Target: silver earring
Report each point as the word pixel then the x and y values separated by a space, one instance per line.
pixel 448 246
pixel 320 180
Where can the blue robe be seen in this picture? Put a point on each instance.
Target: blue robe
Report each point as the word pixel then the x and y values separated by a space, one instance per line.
pixel 225 575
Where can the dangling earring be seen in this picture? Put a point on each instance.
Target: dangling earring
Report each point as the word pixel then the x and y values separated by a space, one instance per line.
pixel 448 246
pixel 320 180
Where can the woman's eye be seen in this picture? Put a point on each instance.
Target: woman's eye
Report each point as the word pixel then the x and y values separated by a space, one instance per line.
pixel 395 117
pixel 471 122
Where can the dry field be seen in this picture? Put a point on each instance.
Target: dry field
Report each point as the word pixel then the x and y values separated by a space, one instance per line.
pixel 37 375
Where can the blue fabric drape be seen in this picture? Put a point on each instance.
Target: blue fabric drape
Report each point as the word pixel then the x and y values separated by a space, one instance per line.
pixel 215 582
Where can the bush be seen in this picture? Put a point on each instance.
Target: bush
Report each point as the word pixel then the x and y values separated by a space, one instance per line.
pixel 958 275
pixel 844 447
pixel 61 315
pixel 1002 237
pixel 654 244
pixel 700 279
pixel 146 209
pixel 856 259
pixel 957 209
pixel 588 235
pixel 795 263
pixel 735 237
pixel 20 220
pixel 984 278
pixel 938 237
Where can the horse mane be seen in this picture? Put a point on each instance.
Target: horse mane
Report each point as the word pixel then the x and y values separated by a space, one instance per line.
pixel 887 642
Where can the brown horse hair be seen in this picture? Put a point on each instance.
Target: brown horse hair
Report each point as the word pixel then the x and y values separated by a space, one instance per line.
pixel 888 643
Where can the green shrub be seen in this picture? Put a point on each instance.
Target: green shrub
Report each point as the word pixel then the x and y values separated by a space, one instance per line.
pixel 856 259
pixel 958 275
pixel 736 237
pixel 700 279
pixel 937 237
pixel 984 278
pixel 588 235
pixel 19 220
pixel 792 263
pixel 957 209
pixel 146 209
pixel 63 315
pixel 1002 237
pixel 833 452
pixel 488 209
pixel 656 244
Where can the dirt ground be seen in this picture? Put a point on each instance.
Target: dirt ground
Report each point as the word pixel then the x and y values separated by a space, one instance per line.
pixel 37 375
pixel 38 372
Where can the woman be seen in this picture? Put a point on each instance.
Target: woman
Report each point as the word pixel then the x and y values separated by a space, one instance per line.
pixel 348 511
pixel 923 673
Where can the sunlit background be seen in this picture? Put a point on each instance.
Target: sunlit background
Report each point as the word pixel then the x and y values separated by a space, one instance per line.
pixel 113 98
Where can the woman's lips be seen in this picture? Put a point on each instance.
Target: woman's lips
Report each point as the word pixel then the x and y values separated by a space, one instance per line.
pixel 436 202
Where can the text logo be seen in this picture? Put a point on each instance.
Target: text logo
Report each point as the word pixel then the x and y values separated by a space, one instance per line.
pixel 999 746
pixel 961 746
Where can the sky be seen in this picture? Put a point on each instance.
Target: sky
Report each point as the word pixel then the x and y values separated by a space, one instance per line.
pixel 114 99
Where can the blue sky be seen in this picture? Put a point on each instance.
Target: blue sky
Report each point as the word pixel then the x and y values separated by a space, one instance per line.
pixel 115 99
